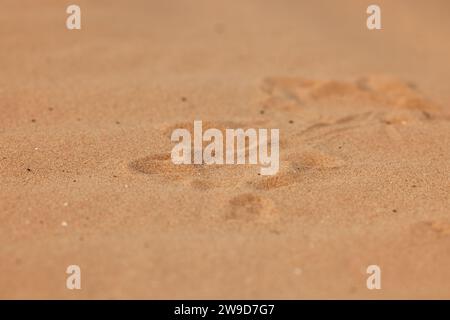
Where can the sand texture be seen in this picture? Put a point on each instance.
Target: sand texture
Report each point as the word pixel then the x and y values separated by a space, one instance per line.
pixel 86 176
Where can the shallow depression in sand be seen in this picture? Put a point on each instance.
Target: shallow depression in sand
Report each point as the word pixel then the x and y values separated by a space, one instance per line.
pixel 161 163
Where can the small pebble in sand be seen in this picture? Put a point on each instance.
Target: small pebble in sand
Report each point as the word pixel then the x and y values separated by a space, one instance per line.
pixel 261 112
pixel 64 224
pixel 126 186
pixel 65 204
pixel 184 99
pixel 291 121
pixel 33 120
pixel 28 169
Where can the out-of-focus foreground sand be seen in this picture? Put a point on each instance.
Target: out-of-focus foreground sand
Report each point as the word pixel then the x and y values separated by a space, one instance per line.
pixel 85 127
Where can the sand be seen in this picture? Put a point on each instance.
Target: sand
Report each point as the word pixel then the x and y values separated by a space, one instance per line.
pixel 86 176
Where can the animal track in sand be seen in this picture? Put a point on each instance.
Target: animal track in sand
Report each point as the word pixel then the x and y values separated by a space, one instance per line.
pixel 161 164
pixel 250 207
pixel 199 177
pixel 206 177
pixel 295 166
pixel 364 102
pixel 382 90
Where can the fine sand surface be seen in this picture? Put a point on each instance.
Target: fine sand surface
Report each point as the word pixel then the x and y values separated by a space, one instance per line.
pixel 86 177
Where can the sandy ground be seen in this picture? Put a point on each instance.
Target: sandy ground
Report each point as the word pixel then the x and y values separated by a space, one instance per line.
pixel 85 127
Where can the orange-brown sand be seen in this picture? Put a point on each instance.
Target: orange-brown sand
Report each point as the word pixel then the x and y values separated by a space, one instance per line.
pixel 86 176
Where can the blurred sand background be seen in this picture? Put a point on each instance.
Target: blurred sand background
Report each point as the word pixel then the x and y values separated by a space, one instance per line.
pixel 85 127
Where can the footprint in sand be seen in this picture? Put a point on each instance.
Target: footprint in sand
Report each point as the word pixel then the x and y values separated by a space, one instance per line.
pixel 366 101
pixel 206 177
pixel 250 207
pixel 199 177
pixel 294 168
pixel 161 164
pixel 289 93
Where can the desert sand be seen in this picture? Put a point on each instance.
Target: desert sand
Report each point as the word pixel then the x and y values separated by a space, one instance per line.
pixel 86 176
